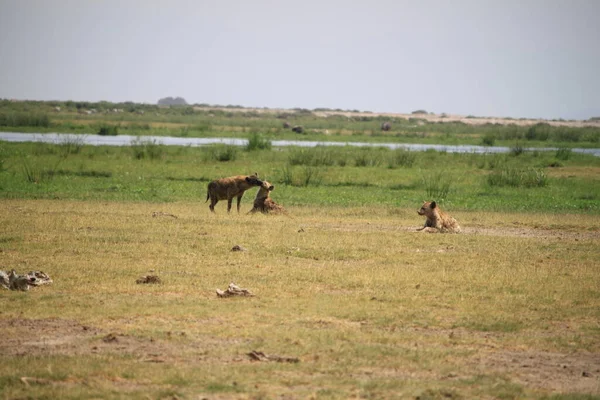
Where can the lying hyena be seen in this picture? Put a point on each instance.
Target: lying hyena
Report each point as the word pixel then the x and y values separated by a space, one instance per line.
pixel 263 201
pixel 437 220
pixel 228 188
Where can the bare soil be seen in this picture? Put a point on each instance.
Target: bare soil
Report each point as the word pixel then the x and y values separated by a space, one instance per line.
pixel 577 372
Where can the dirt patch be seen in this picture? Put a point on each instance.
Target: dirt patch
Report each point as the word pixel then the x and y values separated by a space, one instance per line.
pixel 531 232
pixel 31 337
pixel 577 373
pixel 470 230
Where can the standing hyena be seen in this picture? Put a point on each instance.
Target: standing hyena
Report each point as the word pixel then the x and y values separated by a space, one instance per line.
pixel 437 220
pixel 263 201
pixel 228 188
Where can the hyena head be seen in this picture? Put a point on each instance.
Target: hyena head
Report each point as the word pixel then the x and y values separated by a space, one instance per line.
pixel 267 186
pixel 427 208
pixel 253 180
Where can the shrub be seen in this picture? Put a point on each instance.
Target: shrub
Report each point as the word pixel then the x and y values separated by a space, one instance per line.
pixel 368 158
pixel 221 153
pixel 318 156
pixel 71 144
pixel 203 127
pixel 437 185
pixel 145 148
pixel 564 153
pixel 518 178
pixel 489 139
pixel 493 161
pixel 310 176
pixel 24 119
pixel 540 131
pixel 517 150
pixel 257 142
pixel 300 156
pixel 108 130
pixel 287 175
pixel 35 173
pixel 401 158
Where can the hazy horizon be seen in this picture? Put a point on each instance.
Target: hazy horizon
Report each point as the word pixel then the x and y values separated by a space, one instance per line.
pixel 520 59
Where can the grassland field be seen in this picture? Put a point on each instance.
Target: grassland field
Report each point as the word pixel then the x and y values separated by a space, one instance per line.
pixel 355 302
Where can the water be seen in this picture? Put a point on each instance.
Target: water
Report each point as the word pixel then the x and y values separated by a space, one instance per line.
pixel 127 140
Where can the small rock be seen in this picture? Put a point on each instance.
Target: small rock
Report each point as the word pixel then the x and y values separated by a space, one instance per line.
pixel 260 356
pixel 148 279
pixel 237 247
pixel 111 337
pixel 234 290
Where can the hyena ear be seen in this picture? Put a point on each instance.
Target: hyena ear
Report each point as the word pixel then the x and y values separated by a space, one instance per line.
pixel 433 204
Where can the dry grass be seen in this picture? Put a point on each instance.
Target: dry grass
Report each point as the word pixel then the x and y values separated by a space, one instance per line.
pixel 370 307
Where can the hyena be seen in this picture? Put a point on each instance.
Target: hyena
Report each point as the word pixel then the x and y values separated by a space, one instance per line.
pixel 228 188
pixel 263 202
pixel 437 220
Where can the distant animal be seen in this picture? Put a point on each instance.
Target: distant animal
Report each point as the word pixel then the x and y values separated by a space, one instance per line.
pixel 286 125
pixel 263 202
pixel 386 126
pixel 298 129
pixel 228 188
pixel 437 220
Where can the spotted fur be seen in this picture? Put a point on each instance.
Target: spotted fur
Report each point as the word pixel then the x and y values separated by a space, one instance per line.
pixel 228 188
pixel 263 202
pixel 437 220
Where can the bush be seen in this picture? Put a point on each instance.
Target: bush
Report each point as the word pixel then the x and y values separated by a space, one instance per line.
pixel 517 150
pixel 368 158
pixel 221 153
pixel 35 173
pixel 564 153
pixel 402 158
pixel 24 119
pixel 71 144
pixel 318 156
pixel 437 185
pixel 257 142
pixel 108 130
pixel 309 176
pixel 489 139
pixel 518 178
pixel 540 131
pixel 144 148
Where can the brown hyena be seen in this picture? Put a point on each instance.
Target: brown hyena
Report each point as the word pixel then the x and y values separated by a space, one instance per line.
pixel 437 220
pixel 263 201
pixel 228 188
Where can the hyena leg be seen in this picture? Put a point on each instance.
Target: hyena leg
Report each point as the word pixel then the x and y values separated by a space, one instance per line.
pixel 239 199
pixel 229 200
pixel 213 202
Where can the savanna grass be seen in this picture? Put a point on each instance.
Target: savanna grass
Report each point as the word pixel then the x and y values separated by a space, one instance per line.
pixel 153 172
pixel 370 307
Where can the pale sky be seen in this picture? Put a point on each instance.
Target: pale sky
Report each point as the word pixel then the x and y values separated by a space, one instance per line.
pixel 504 58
